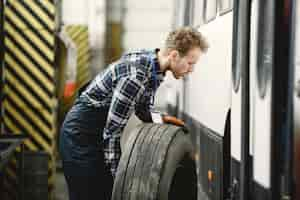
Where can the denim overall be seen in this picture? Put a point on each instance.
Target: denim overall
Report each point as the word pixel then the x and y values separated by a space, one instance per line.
pixel 82 155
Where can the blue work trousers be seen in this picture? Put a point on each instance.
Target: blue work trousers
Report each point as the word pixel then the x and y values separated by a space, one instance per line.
pixel 82 155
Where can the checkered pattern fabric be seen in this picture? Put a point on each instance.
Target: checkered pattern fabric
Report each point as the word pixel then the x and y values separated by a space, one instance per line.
pixel 127 85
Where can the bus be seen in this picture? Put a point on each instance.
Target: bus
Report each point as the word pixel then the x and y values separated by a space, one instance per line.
pixel 241 105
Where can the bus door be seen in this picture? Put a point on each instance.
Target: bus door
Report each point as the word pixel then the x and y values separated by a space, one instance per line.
pixel 270 98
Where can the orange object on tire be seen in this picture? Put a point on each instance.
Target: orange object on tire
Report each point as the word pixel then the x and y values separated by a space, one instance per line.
pixel 172 120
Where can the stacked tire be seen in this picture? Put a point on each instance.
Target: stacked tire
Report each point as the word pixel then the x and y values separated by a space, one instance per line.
pixel 156 164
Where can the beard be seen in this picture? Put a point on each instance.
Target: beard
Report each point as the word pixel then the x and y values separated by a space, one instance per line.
pixel 176 76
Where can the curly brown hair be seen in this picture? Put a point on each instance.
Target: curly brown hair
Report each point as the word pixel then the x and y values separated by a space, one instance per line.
pixel 185 38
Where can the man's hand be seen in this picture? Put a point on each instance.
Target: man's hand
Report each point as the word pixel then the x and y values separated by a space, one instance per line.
pixel 172 120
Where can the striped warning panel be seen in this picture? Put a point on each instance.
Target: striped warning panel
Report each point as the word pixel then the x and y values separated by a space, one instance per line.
pixel 29 73
pixel 80 37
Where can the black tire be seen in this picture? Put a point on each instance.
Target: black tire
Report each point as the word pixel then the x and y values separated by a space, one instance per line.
pixel 156 165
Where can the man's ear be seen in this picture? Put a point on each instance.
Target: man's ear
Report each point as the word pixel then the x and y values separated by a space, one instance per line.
pixel 174 54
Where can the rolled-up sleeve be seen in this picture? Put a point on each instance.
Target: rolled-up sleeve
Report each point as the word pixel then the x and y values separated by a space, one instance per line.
pixel 142 110
pixel 126 93
pixel 145 111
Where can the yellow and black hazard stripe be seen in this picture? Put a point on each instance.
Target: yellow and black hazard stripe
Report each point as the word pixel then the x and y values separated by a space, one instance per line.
pixel 80 36
pixel 29 73
pixel 10 182
pixel 1 53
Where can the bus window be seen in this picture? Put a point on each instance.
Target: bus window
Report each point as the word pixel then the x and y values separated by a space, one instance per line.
pixel 237 44
pixel 198 13
pixel 210 11
pixel 225 6
pixel 265 44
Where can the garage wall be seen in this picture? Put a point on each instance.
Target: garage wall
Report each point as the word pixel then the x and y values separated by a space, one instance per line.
pixel 146 22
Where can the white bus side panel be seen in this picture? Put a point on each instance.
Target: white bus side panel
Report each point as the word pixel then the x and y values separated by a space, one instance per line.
pixel 209 85
pixel 261 111
pixel 262 139
pixel 236 116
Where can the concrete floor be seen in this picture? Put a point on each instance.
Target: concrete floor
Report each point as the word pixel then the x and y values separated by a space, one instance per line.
pixel 60 187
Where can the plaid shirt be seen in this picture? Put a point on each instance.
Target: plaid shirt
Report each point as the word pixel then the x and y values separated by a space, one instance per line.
pixel 126 85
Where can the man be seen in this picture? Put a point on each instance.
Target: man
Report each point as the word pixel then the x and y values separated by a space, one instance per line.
pixel 90 134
